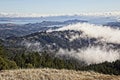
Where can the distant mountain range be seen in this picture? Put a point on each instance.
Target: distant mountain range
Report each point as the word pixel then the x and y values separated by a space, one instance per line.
pixel 113 24
pixel 9 29
pixel 67 36
pixel 83 41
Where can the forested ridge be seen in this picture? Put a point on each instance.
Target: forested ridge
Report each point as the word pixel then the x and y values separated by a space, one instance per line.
pixel 46 60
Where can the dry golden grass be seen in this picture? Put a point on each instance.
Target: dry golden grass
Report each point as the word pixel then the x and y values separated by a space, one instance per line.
pixel 53 74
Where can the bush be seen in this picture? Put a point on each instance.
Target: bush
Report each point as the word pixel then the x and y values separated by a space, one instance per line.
pixel 11 64
pixel 3 64
pixel 29 65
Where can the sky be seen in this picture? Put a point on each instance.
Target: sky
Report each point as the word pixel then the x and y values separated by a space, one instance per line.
pixel 58 6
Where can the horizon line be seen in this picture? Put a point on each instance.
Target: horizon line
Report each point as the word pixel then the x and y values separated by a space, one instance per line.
pixel 17 14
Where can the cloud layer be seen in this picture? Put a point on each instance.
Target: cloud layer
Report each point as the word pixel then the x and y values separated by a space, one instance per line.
pixel 103 33
pixel 91 55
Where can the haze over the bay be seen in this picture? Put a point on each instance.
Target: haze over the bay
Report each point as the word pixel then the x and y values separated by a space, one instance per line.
pixel 104 14
pixel 37 8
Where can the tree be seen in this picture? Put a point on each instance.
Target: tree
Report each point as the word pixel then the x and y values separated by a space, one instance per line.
pixel 19 61
pixel 3 64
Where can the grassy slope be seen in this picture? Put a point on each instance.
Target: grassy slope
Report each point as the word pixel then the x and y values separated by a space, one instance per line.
pixel 53 74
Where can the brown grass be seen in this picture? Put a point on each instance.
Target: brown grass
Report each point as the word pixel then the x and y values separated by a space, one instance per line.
pixel 53 74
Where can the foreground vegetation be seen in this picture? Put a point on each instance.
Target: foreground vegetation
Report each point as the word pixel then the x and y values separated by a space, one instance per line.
pixel 53 74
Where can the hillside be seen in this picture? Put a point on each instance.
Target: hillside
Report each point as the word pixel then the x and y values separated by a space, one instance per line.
pixel 80 46
pixel 53 74
pixel 9 29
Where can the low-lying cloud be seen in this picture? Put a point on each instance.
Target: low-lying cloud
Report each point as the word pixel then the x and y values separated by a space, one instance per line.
pixel 103 33
pixel 91 55
pixel 32 46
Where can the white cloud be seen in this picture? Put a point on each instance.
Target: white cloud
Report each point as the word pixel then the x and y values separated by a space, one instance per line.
pixel 104 33
pixel 32 46
pixel 104 14
pixel 91 55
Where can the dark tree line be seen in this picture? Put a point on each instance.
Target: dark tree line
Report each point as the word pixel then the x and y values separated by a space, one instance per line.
pixel 42 60
pixel 5 63
pixel 36 60
pixel 105 67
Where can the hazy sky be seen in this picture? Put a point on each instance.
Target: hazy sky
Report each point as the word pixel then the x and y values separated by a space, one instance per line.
pixel 58 6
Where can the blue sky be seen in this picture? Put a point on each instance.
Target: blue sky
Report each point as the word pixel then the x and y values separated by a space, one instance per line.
pixel 58 6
